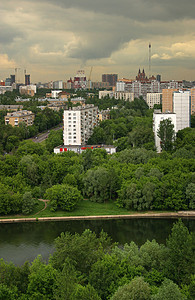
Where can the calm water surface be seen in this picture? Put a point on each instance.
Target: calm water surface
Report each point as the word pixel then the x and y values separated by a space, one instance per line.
pixel 24 241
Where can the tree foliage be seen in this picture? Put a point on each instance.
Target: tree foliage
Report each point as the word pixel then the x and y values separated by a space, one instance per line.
pixel 166 134
pixel 63 196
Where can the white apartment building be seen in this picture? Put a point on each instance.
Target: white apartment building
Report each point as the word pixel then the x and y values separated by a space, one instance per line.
pixel 153 98
pixel 182 108
pixel 136 89
pixel 103 94
pixel 155 86
pixel 124 95
pixel 79 124
pixel 55 93
pixel 157 118
pixel 58 85
pixel 120 86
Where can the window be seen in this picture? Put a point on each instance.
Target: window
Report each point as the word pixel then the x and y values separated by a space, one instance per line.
pixel 74 114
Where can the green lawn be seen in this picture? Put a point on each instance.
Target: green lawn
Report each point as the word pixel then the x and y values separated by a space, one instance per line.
pixel 87 208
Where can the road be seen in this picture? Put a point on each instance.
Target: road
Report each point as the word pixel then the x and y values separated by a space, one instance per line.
pixel 43 136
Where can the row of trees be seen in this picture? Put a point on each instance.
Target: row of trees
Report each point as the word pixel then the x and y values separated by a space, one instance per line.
pixel 90 267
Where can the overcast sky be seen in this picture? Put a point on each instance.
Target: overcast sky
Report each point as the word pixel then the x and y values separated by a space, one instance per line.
pixel 52 39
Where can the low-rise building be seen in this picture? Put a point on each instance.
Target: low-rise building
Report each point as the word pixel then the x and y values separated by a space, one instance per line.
pixel 11 107
pixel 78 100
pixel 124 96
pixel 103 94
pixel 110 149
pixel 29 90
pixel 104 115
pixel 15 118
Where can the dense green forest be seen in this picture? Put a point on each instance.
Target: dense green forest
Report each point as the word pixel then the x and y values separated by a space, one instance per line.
pixel 91 267
pixel 135 178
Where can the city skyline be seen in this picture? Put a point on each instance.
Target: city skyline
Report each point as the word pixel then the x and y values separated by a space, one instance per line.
pixel 53 39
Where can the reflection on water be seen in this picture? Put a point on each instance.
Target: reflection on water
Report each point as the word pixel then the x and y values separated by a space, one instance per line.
pixel 24 241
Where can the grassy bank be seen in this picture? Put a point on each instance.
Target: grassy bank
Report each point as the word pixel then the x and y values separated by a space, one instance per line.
pixel 85 208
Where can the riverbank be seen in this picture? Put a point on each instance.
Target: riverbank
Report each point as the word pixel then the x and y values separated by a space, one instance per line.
pixel 179 214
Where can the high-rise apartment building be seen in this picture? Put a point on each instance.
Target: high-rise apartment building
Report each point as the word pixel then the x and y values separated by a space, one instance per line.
pixel 192 101
pixel 136 89
pixel 167 100
pixel 182 108
pixel 27 79
pixel 79 123
pixel 110 78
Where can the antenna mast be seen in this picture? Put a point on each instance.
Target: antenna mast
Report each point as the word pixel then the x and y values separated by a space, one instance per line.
pixel 149 60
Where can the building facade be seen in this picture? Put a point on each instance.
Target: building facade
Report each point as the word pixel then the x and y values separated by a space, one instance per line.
pixel 110 149
pixel 27 79
pixel 192 101
pixel 153 98
pixel 110 78
pixel 182 108
pixel 124 96
pixel 11 107
pixel 15 118
pixel 58 85
pixel 167 100
pixel 79 123
pixel 103 94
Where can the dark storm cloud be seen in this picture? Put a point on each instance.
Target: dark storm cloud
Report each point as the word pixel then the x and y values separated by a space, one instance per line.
pixel 104 32
pixel 142 10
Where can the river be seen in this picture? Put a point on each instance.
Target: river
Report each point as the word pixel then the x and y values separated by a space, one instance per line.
pixel 24 241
